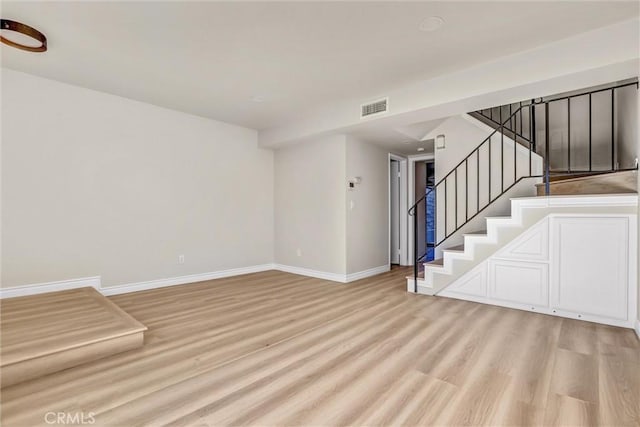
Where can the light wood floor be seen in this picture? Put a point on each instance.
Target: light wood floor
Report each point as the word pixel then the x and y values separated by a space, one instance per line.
pixel 49 332
pixel 278 349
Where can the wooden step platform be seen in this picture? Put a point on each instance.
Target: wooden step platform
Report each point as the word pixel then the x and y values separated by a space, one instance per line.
pixel 46 333
pixel 594 183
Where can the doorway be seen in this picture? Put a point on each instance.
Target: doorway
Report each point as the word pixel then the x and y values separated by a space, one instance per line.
pixel 424 181
pixel 398 217
pixel 394 212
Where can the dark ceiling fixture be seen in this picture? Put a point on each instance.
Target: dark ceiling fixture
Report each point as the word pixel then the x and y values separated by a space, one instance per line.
pixel 7 24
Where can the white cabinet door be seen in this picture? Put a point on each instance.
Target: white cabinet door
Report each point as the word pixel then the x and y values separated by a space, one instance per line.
pixel 590 265
pixel 532 245
pixel 519 282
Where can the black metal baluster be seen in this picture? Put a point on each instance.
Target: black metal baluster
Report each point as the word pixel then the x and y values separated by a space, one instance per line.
pixel 530 143
pixel 489 172
pixel 415 251
pixel 521 120
pixel 515 161
pixel 532 124
pixel 455 176
pixel 466 190
pixel 435 220
pixel 569 134
pixel 590 132
pixel 547 188
pixel 478 179
pixel 513 128
pixel 446 206
pixel 501 159
pixel 613 148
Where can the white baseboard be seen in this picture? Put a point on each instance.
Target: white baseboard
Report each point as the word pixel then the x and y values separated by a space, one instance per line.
pixel 40 288
pixel 182 280
pixel 95 281
pixel 334 277
pixel 130 287
pixel 637 328
pixel 367 273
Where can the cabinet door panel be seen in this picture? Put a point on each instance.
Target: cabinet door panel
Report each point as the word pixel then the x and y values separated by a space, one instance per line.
pixel 590 265
pixel 520 282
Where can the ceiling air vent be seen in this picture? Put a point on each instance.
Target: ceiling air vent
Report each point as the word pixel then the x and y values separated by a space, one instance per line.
pixel 377 107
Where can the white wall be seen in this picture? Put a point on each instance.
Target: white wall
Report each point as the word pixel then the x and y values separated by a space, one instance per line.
pixel 95 184
pixel 310 183
pixel 320 225
pixel 368 216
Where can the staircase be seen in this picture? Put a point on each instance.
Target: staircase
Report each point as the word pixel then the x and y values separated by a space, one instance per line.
pixel 522 152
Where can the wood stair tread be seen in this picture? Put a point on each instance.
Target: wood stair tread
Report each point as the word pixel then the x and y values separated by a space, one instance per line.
pixel 566 176
pixel 561 179
pixel 458 248
pixel 420 275
pixel 594 183
pixel 435 262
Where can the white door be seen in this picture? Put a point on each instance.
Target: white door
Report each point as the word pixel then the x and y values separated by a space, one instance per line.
pixel 394 203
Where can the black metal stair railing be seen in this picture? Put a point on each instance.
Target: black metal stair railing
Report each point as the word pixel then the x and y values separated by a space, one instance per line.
pixel 526 138
pixel 452 178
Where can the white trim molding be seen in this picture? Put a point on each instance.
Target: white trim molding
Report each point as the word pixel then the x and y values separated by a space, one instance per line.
pixel 182 280
pixel 334 277
pixel 95 281
pixel 60 285
pixel 366 273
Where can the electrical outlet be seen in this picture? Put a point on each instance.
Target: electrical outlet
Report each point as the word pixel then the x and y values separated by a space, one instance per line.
pixel 299 252
pixel 180 259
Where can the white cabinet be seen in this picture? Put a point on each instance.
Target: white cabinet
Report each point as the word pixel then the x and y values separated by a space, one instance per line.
pixel 519 282
pixel 532 245
pixel 590 266
pixel 474 283
pixel 577 266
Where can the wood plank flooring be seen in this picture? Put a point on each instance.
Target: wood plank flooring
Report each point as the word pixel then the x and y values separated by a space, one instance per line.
pixel 276 349
pixel 49 332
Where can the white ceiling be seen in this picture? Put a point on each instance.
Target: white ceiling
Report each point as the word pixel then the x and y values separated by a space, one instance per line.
pixel 212 58
pixel 405 140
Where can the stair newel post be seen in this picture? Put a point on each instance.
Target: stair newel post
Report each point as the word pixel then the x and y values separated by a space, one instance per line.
pixel 547 150
pixel 532 125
